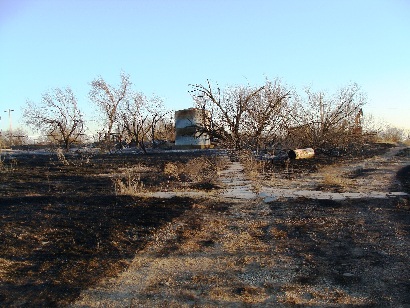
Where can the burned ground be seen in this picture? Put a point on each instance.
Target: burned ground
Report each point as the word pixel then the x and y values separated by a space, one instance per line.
pixel 404 177
pixel 64 230
pixel 354 247
pixel 53 247
pixel 294 168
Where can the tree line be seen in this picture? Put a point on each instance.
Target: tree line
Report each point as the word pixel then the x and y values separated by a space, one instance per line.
pixel 241 116
pixel 126 115
pixel 274 114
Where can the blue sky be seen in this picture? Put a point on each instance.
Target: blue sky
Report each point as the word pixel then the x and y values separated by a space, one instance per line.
pixel 166 45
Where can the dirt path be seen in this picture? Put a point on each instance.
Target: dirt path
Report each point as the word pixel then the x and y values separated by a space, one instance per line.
pixel 245 247
pixel 198 256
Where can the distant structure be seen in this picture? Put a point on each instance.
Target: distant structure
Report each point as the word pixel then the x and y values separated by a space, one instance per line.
pixel 358 128
pixel 190 129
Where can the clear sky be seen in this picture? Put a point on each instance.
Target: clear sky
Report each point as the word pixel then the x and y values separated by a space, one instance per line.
pixel 164 45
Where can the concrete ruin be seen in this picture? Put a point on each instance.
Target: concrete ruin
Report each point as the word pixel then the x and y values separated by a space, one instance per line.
pixel 190 130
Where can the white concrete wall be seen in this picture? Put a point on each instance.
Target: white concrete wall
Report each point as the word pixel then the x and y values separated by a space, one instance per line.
pixel 186 119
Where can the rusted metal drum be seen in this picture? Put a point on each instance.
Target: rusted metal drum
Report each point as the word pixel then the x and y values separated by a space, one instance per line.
pixel 301 153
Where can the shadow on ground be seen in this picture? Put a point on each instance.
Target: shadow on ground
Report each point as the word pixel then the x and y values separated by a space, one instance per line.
pixel 53 247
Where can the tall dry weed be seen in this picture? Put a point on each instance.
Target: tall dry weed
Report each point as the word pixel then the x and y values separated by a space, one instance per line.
pixel 130 186
pixel 173 170
pixel 253 167
pixel 201 169
pixel 130 183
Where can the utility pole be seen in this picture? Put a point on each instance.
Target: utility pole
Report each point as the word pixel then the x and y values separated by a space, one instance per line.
pixel 322 113
pixel 10 126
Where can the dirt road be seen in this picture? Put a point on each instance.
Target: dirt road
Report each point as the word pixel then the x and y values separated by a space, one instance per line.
pixel 246 247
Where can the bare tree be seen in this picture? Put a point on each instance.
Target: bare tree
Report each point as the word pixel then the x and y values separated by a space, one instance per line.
pixel 57 115
pixel 327 121
pixel 157 114
pixel 108 99
pixel 165 129
pixel 134 119
pixel 18 136
pixel 15 137
pixel 392 134
pixel 141 118
pixel 265 114
pixel 226 108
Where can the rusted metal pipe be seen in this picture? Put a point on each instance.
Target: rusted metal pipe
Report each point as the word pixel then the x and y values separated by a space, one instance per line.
pixel 301 153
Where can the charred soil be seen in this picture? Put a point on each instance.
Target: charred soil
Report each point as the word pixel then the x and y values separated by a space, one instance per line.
pixel 65 229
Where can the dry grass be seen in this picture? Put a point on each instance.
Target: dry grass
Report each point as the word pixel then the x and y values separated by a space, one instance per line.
pixel 254 168
pixel 332 178
pixel 297 252
pixel 407 142
pixel 130 182
pixel 310 296
pixel 130 186
pixel 301 253
pixel 199 169
pixel 177 175
pixel 202 169
pixel 9 166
